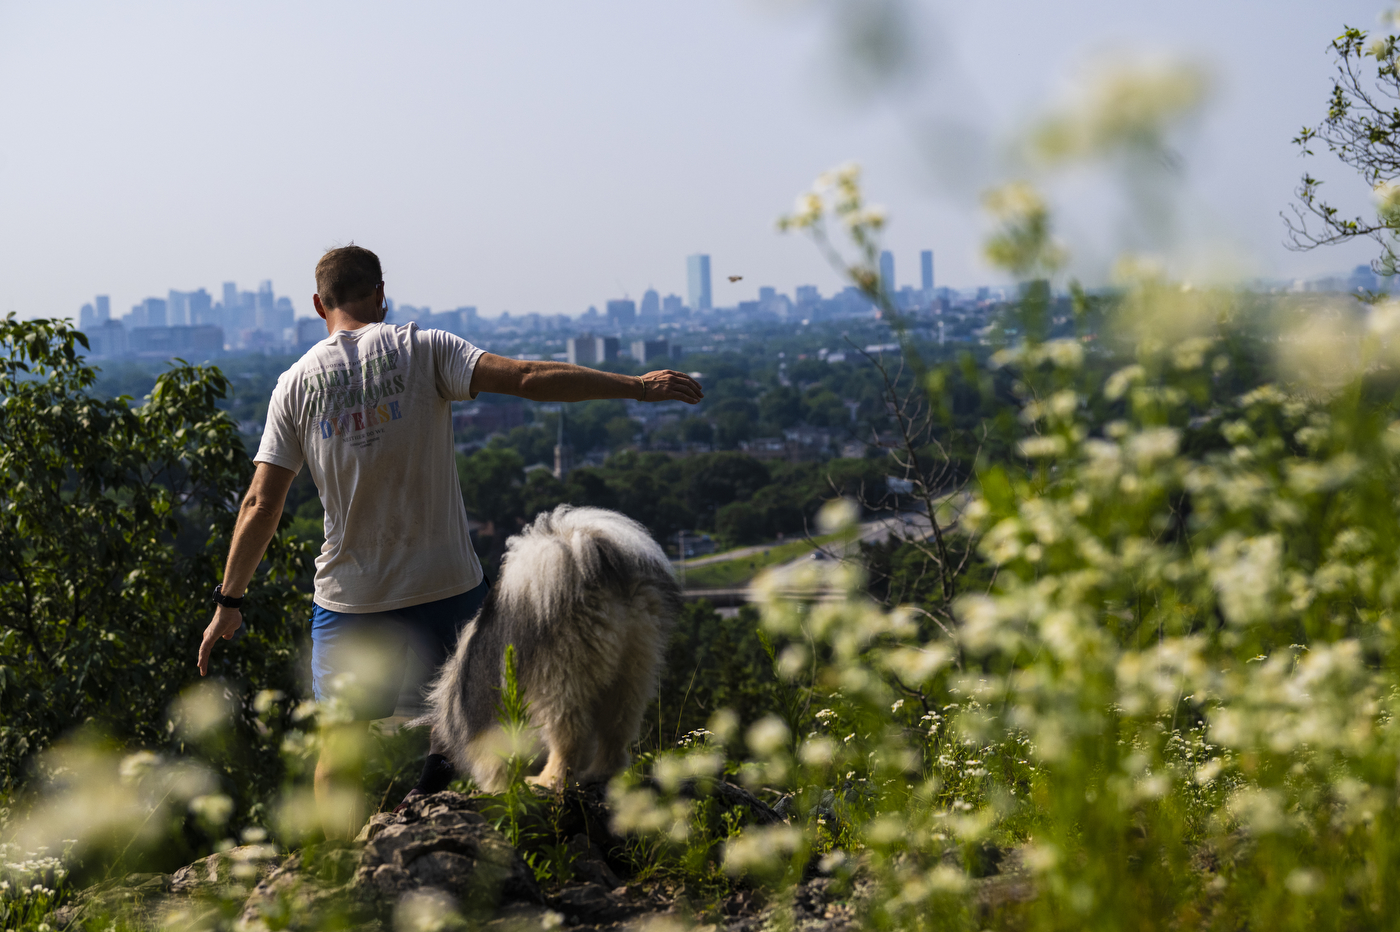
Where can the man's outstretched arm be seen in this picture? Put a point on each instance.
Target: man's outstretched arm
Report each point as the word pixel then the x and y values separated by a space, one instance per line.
pixel 560 381
pixel 258 517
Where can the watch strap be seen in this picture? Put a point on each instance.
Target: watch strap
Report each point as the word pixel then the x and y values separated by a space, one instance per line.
pixel 228 601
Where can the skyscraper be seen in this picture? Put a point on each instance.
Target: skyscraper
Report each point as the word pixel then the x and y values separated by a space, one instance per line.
pixel 156 313
pixel 87 317
pixel 887 272
pixel 622 314
pixel 648 351
pixel 284 317
pixel 650 309
pixel 104 308
pixel 582 350
pixel 267 309
pixel 177 308
pixel 200 307
pixel 926 267
pixel 697 274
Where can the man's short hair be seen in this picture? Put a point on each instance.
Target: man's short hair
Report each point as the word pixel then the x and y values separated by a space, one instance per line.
pixel 347 274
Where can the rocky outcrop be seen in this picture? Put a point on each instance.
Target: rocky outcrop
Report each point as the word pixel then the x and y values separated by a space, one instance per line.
pixel 171 899
pixel 441 857
pixel 443 844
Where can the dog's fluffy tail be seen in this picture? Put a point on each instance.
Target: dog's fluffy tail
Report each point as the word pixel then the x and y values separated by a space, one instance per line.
pixel 565 554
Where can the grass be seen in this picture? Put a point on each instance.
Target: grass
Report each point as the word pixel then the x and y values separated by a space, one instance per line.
pixel 729 574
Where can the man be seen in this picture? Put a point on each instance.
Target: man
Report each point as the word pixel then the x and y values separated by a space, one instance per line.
pixel 368 410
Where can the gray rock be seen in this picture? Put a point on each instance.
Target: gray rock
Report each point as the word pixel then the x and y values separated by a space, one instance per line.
pixel 590 864
pixel 440 843
pixel 436 855
pixel 243 866
pixel 140 896
pixel 310 893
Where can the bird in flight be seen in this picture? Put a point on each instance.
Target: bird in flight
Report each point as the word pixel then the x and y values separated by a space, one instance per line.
pixel 736 278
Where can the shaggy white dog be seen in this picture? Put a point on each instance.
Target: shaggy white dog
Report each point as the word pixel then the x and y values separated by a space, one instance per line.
pixel 588 599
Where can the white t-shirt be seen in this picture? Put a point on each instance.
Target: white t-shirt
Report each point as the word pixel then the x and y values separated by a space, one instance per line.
pixel 369 411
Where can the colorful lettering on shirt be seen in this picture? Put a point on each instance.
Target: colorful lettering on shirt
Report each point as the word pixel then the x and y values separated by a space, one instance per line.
pixel 332 395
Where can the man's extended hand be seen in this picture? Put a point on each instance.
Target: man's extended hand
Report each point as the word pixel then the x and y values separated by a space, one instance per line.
pixel 226 621
pixel 669 385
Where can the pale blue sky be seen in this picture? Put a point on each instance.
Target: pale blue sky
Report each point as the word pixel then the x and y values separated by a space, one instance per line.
pixel 544 156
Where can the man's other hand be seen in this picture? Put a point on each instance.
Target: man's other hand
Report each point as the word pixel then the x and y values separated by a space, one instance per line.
pixel 226 621
pixel 669 385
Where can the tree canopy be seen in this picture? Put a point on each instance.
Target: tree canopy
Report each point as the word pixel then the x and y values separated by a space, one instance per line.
pixel 1362 129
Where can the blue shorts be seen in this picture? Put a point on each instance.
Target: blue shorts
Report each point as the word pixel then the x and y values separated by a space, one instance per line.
pixel 379 661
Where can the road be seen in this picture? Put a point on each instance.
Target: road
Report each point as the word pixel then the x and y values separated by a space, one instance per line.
pixel 879 529
pixel 909 525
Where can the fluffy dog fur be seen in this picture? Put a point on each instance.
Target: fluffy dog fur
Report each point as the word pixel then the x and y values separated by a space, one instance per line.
pixel 588 599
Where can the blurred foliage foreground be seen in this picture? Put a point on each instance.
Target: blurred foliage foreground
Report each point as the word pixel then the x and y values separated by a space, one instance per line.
pixel 1173 706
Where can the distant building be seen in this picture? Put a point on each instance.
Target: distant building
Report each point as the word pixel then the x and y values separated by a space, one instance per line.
pixel 605 349
pixel 645 351
pixel 650 309
pixel 243 316
pixel 177 308
pixel 149 313
pixel 672 306
pixel 199 304
pixel 622 313
pixel 697 274
pixel 808 294
pixel 163 342
pixel 491 418
pixel 283 316
pixel 887 284
pixel 926 272
pixel 310 331
pixel 87 318
pixel 582 349
pixel 104 308
pixel 266 317
pixel 107 338
pixel 1363 278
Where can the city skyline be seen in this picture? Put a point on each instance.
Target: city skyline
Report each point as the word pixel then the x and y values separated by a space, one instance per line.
pixel 538 163
pixel 197 307
pixel 262 320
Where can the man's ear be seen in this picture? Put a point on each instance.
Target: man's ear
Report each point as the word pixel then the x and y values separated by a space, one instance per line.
pixel 316 300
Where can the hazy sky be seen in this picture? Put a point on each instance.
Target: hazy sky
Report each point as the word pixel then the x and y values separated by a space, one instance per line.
pixel 545 156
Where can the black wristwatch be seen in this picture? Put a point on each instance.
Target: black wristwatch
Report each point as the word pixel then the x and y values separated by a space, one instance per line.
pixel 225 600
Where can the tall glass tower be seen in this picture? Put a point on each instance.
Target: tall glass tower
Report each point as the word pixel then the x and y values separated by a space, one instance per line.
pixel 697 273
pixel 887 272
pixel 926 266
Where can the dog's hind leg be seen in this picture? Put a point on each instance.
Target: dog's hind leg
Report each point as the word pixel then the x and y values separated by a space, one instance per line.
pixel 619 708
pixel 616 731
pixel 572 746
